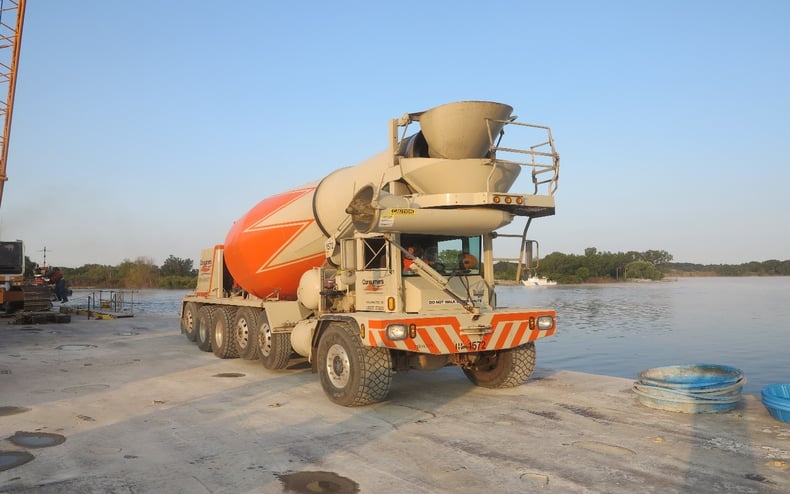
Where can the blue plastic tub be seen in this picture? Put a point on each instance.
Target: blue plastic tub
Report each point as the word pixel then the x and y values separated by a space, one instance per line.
pixel 776 398
pixel 698 388
pixel 698 377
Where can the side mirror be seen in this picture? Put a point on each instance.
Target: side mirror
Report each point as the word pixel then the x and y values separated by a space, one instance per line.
pixel 531 254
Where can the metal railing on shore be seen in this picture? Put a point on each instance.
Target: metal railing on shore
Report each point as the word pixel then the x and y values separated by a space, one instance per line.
pixel 120 301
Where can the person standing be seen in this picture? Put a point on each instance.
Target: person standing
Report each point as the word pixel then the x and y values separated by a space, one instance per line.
pixel 56 278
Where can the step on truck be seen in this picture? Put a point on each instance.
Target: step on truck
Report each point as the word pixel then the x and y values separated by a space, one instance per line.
pixel 388 265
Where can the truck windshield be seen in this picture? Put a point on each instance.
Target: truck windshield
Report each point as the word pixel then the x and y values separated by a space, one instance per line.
pixel 447 255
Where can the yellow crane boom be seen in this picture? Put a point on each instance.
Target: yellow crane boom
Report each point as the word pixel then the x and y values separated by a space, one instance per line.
pixel 12 18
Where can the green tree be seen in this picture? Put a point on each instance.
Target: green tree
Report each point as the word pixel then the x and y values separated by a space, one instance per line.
pixel 450 258
pixel 175 266
pixel 656 257
pixel 30 267
pixel 643 270
pixel 142 273
pixel 505 270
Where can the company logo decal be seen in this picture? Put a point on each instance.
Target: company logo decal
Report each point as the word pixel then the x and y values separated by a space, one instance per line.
pixel 373 285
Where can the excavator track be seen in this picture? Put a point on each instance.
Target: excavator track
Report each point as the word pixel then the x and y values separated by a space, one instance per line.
pixel 37 298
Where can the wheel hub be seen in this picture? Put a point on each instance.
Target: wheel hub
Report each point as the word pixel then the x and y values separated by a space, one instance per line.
pixel 243 333
pixel 218 337
pixel 338 366
pixel 266 340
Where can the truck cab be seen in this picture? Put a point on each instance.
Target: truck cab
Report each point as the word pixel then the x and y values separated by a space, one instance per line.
pixel 387 273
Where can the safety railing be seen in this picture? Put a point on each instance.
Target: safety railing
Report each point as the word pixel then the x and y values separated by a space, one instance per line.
pixel 542 158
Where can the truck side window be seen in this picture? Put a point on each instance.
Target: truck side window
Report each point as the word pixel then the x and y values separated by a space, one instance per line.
pixel 374 254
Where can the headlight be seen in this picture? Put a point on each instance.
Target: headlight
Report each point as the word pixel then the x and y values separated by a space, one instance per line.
pixel 545 322
pixel 398 331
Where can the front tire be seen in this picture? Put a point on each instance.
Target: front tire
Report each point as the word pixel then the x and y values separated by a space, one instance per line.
pixel 351 373
pixel 504 368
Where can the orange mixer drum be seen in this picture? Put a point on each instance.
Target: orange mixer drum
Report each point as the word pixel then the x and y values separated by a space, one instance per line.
pixel 268 249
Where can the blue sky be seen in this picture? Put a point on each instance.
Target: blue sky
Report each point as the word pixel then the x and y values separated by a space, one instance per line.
pixel 144 131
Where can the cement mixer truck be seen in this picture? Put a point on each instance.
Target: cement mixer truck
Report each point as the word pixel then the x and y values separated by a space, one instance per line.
pixel 388 265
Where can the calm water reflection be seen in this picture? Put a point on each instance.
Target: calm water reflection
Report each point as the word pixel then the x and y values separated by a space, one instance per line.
pixel 622 329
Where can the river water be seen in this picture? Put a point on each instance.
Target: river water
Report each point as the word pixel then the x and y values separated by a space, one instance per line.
pixel 620 329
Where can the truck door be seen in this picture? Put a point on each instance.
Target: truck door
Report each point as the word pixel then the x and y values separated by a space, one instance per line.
pixel 376 284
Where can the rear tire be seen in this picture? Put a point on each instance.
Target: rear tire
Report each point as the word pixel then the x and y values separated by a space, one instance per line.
pixel 222 341
pixel 204 326
pixel 245 332
pixel 189 320
pixel 504 368
pixel 274 348
pixel 352 374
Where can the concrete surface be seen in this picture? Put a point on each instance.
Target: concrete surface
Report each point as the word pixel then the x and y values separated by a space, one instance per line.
pixel 141 409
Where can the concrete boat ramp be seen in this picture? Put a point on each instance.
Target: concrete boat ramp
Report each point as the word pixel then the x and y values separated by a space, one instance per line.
pixel 130 406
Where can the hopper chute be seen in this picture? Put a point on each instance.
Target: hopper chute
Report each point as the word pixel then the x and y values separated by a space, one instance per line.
pixel 465 129
pixel 453 152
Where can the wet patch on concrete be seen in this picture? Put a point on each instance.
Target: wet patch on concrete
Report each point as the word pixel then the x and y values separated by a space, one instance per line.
pixel 317 482
pixel 36 439
pixel 6 411
pixel 545 414
pixel 606 448
pixel 583 411
pixel 13 459
pixel 74 348
pixel 86 388
pixel 757 478
pixel 229 374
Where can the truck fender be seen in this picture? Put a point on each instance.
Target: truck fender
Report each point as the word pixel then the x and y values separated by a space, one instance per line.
pixel 323 323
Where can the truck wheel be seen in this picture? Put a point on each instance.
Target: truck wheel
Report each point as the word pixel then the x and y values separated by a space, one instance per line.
pixel 188 320
pixel 274 348
pixel 245 332
pixel 222 343
pixel 204 326
pixel 504 368
pixel 351 373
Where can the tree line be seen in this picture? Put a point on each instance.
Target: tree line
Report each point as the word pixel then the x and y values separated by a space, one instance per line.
pixel 597 266
pixel 592 266
pixel 140 273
